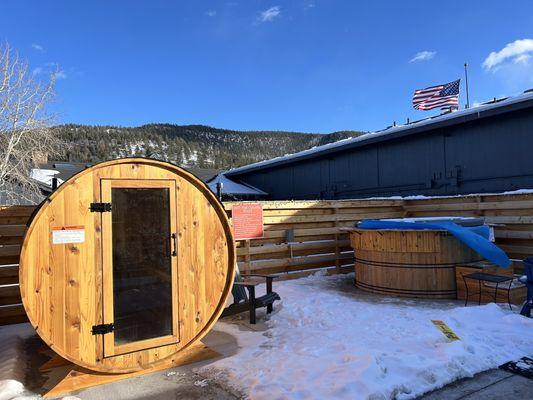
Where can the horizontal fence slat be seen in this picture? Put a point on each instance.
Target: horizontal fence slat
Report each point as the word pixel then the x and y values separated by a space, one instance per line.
pixel 504 234
pixel 14 314
pixel 515 205
pixel 9 250
pixel 331 217
pixel 17 211
pixel 303 204
pixel 266 249
pixel 9 275
pixel 10 295
pixel 297 260
pixel 13 220
pixel 12 230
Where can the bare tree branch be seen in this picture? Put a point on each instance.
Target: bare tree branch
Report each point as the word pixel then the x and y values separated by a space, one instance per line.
pixel 25 134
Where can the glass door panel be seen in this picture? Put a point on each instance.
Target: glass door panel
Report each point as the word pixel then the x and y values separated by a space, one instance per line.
pixel 142 289
pixel 139 268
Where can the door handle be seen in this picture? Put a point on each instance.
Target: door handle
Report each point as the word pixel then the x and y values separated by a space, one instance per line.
pixel 174 251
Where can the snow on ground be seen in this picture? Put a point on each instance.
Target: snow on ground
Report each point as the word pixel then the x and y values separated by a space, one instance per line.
pixel 329 340
pixel 13 363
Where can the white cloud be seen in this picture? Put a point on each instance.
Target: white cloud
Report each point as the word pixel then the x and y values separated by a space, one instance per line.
pixel 53 70
pixel 60 75
pixel 211 13
pixel 518 52
pixel 522 59
pixel 270 14
pixel 423 56
pixel 309 6
pixel 37 47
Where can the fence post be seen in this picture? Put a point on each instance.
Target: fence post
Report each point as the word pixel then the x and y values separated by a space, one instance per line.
pixel 337 251
pixel 247 257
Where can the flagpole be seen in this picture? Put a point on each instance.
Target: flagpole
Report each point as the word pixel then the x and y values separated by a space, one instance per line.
pixel 466 81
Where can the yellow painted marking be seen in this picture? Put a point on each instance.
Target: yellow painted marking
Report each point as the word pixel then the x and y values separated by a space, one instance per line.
pixel 446 330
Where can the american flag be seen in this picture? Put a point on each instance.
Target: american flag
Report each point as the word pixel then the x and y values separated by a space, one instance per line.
pixel 444 96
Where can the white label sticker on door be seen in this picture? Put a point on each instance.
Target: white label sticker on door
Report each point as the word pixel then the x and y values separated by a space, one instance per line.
pixel 68 234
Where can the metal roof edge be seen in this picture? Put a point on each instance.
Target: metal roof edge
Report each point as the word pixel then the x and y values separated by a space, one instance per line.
pixel 522 101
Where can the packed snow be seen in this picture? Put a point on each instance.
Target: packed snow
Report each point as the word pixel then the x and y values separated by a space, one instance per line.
pixel 326 339
pixel 13 363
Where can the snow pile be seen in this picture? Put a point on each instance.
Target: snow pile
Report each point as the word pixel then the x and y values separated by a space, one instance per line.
pixel 13 362
pixel 329 340
pixel 12 356
pixel 10 388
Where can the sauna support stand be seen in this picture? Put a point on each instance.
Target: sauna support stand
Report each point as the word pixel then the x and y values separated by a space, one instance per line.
pixel 72 378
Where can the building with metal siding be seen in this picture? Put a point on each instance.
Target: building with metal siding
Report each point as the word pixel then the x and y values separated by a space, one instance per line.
pixel 484 149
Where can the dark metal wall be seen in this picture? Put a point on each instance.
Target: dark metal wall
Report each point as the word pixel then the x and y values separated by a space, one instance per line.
pixel 492 154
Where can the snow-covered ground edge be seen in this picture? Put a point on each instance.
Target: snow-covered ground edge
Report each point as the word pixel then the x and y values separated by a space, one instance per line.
pixel 329 340
pixel 14 363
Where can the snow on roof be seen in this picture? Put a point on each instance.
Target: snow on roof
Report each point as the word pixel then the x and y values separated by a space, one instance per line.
pixel 45 175
pixel 233 188
pixel 457 115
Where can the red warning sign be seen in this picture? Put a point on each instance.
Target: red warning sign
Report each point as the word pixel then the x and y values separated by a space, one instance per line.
pixel 247 221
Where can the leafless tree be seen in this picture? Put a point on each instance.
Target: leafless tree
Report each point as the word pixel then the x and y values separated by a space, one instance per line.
pixel 25 133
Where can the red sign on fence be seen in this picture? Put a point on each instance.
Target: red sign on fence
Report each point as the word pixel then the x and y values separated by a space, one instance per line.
pixel 247 221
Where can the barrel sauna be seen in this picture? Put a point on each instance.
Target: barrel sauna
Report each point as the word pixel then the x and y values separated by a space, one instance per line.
pixel 408 263
pixel 126 264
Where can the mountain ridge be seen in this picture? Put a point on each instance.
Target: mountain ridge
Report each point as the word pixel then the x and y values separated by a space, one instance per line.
pixel 187 145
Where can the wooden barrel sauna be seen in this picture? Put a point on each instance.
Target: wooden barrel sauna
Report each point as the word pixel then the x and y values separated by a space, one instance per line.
pixel 408 263
pixel 126 264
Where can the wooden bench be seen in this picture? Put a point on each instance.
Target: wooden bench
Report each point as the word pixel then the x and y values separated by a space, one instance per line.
pixel 250 302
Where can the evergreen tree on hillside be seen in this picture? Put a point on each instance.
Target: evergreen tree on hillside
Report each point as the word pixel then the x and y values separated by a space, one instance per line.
pixel 187 145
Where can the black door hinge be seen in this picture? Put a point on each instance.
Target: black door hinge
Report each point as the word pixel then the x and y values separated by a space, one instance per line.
pixel 100 207
pixel 103 329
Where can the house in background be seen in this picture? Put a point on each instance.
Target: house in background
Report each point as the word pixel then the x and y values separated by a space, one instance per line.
pixel 226 189
pixel 51 175
pixel 483 149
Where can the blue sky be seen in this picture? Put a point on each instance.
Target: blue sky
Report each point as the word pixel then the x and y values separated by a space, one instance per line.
pixel 304 65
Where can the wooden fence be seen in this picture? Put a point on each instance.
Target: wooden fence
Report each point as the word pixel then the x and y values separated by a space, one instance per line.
pixel 307 235
pixel 12 227
pixel 303 236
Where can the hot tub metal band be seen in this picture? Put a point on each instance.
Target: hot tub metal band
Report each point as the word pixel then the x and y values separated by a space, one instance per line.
pixel 405 291
pixel 404 265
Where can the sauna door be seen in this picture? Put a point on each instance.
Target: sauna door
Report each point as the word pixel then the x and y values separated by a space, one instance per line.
pixel 139 259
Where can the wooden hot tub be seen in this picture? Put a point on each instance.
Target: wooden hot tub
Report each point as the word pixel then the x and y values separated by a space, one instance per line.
pixel 408 263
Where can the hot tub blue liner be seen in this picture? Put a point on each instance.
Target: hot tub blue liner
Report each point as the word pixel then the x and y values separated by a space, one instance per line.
pixel 476 237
